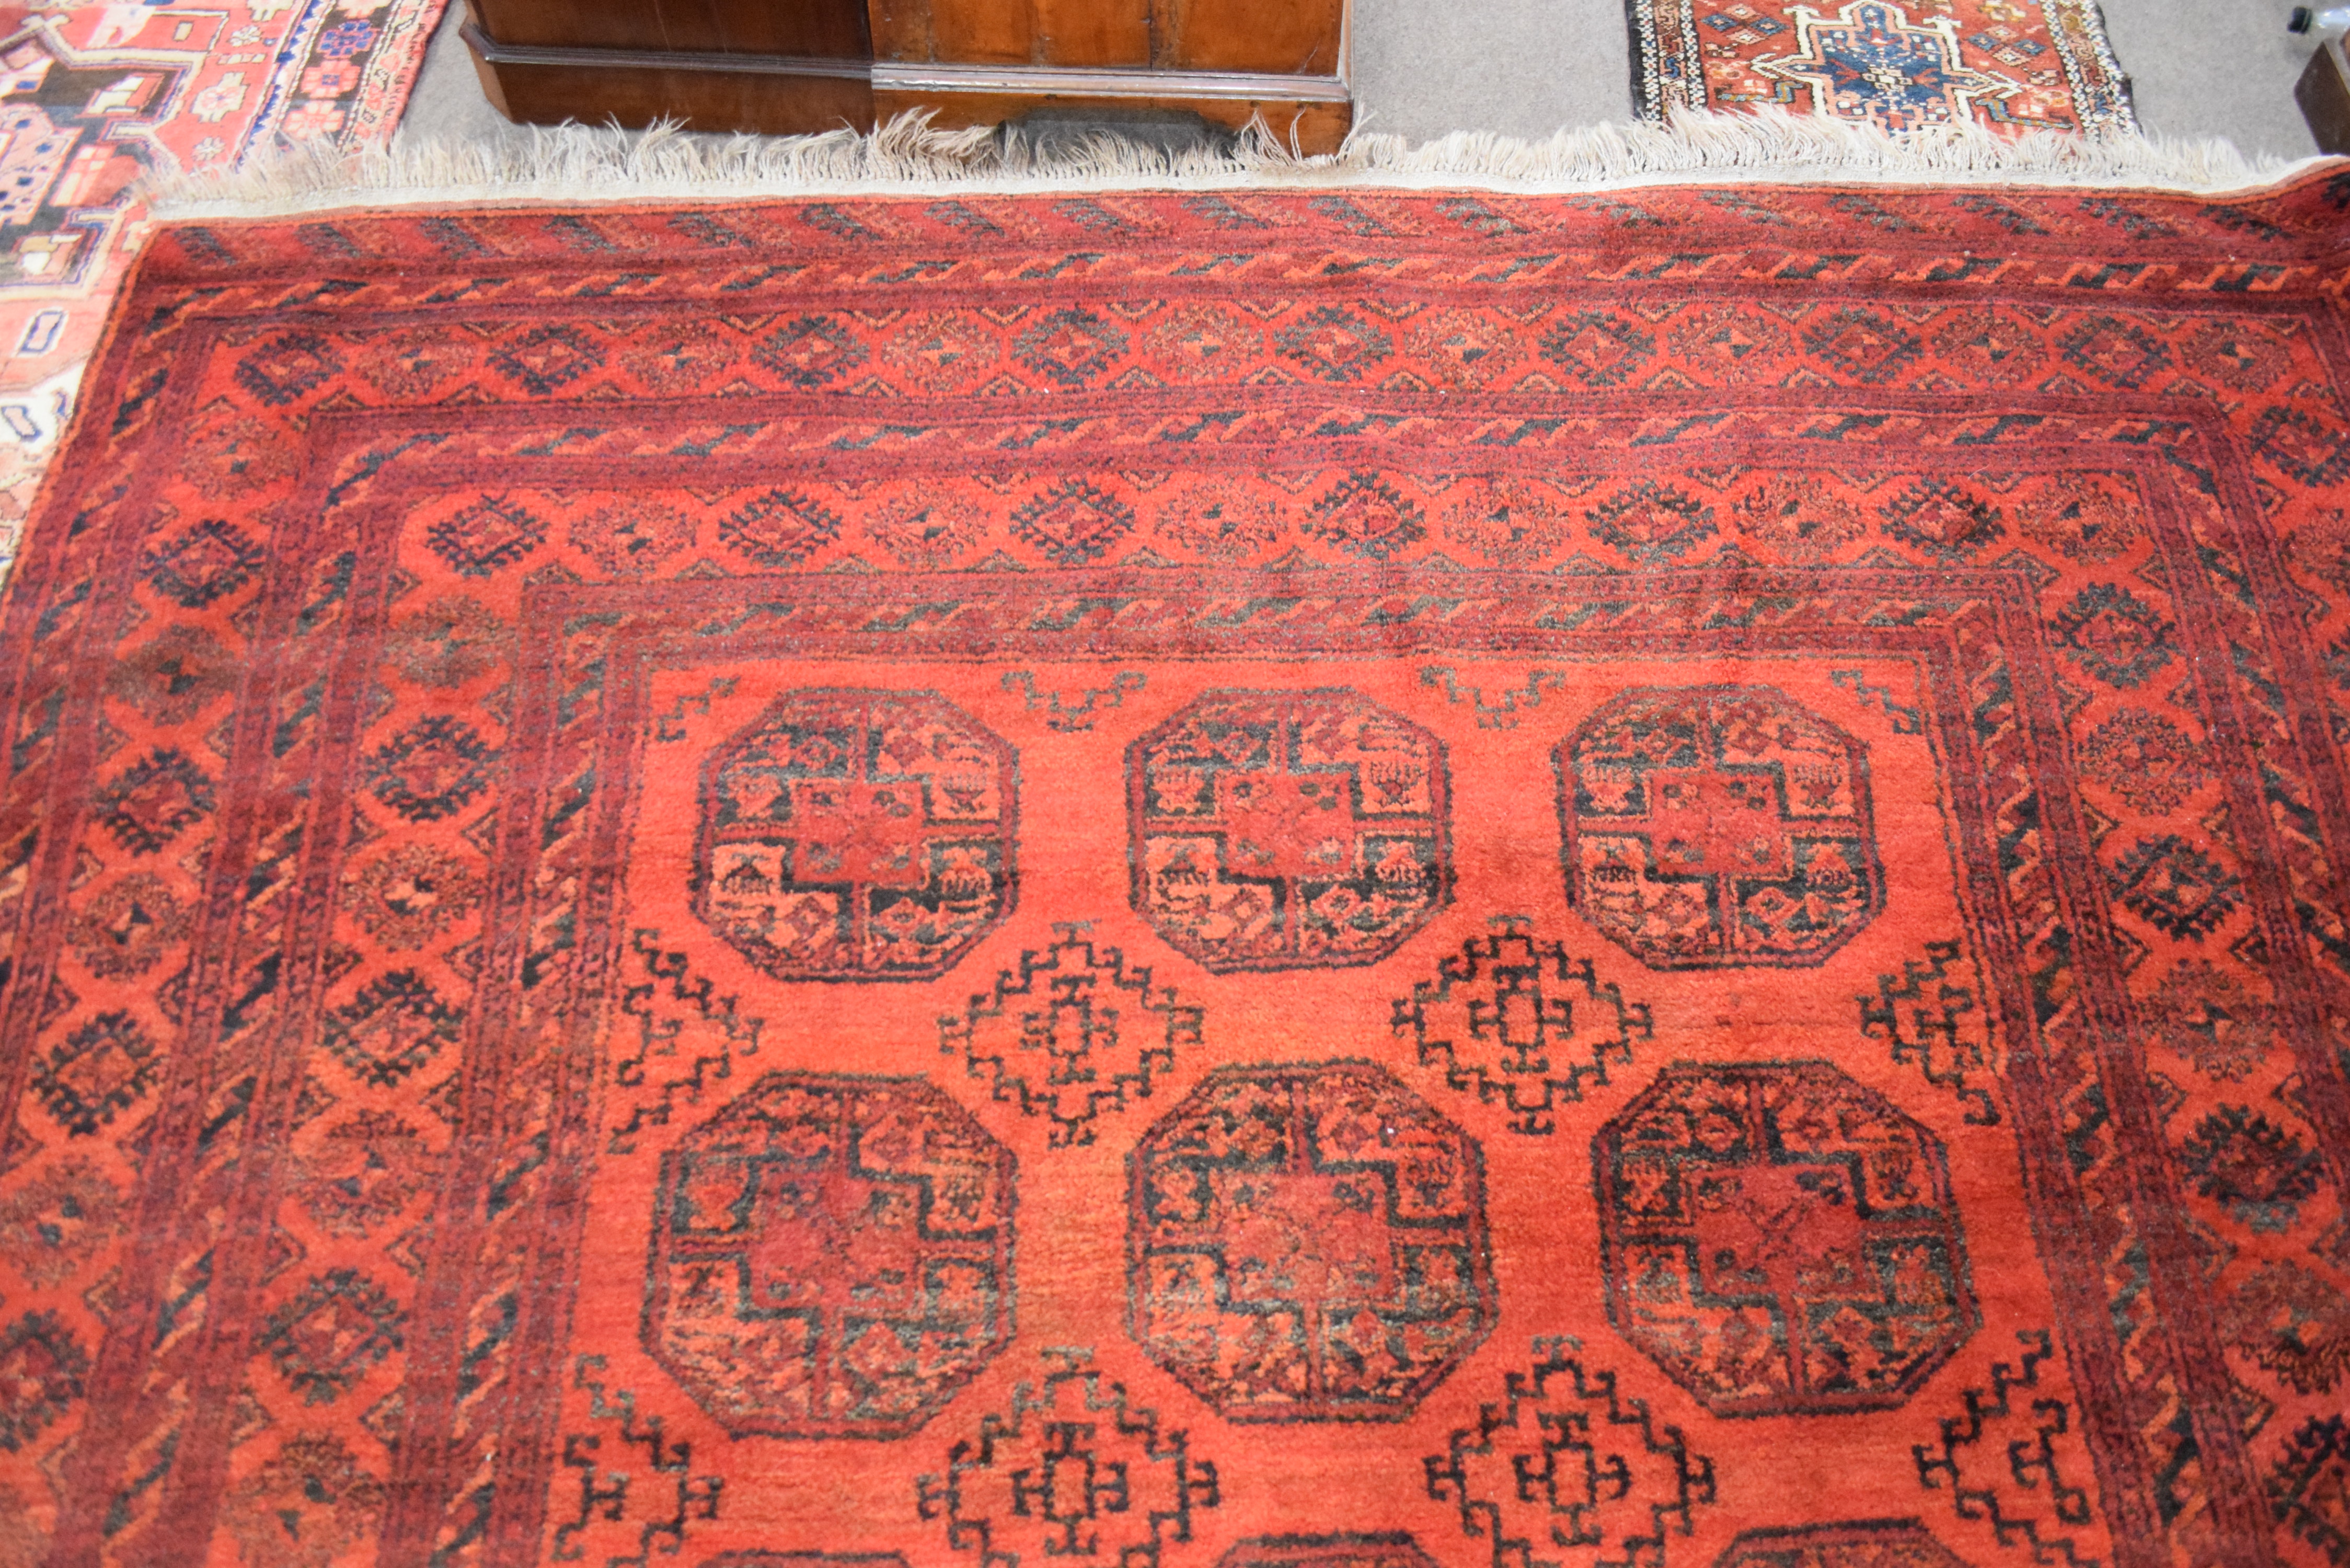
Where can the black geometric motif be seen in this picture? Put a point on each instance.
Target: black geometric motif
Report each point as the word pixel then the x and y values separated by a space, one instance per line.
pixel 2117 636
pixel 1055 1014
pixel 1073 523
pixel 2250 1167
pixel 1598 347
pixel 677 1496
pixel 154 801
pixel 2309 1481
pixel 1537 1470
pixel 2176 888
pixel 1365 515
pixel 281 372
pixel 41 1370
pixel 2316 454
pixel 491 534
pixel 1072 346
pixel 548 358
pixel 325 1339
pixel 811 352
pixel 1870 347
pixel 395 1025
pixel 1093 1477
pixel 1653 524
pixel 780 529
pixel 99 1072
pixel 2118 353
pixel 430 771
pixel 1943 520
pixel 1924 1015
pixel 2032 1461
pixel 205 564
pixel 1334 344
pixel 1521 1021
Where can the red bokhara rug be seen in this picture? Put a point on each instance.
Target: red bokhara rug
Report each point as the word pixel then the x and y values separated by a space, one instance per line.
pixel 1226 879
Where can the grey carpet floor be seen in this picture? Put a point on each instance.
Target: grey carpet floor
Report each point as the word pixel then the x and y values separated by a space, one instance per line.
pixel 1526 68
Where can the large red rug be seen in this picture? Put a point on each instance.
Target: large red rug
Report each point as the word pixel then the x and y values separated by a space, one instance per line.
pixel 1224 880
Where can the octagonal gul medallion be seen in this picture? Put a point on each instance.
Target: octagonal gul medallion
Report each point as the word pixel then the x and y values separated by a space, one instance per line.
pixel 1387 1550
pixel 1781 1239
pixel 1862 1543
pixel 831 1257
pixel 853 835
pixel 1288 830
pixel 1718 827
pixel 1307 1243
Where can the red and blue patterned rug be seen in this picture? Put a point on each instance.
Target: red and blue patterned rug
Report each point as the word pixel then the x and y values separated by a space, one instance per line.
pixel 1312 879
pixel 1897 65
pixel 90 95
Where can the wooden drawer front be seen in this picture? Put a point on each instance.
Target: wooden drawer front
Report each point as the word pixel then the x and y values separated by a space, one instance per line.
pixel 818 29
pixel 1302 38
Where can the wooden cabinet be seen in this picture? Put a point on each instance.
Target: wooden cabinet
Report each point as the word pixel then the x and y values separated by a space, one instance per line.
pixel 785 66
pixel 2324 93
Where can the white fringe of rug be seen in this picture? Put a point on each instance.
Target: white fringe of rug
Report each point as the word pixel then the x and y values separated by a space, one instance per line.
pixel 575 163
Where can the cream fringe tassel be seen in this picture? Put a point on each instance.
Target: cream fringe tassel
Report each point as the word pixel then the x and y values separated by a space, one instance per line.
pixel 576 164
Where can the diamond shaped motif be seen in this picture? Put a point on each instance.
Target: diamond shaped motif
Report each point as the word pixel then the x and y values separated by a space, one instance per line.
pixel 2315 454
pixel 780 528
pixel 1074 522
pixel 283 371
pixel 1334 344
pixel 1365 515
pixel 1598 347
pixel 102 1070
pixel 2176 888
pixel 2118 353
pixel 1866 344
pixel 1653 524
pixel 546 360
pixel 327 1337
pixel 1945 520
pixel 42 1369
pixel 154 801
pixel 430 771
pixel 492 532
pixel 203 564
pixel 810 352
pixel 1074 347
pixel 2115 635
pixel 395 1025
